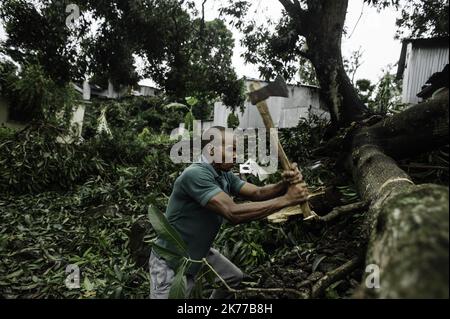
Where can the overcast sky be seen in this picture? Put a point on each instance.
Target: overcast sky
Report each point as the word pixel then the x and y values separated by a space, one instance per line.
pixel 374 34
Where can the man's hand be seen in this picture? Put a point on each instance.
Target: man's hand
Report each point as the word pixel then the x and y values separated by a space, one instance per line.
pixel 256 194
pixel 296 194
pixel 293 176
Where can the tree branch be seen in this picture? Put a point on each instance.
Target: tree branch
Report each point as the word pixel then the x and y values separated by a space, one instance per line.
pixel 426 125
pixel 289 6
pixel 202 23
pixel 297 14
pixel 248 290
pixel 344 210
pixel 322 284
pixel 304 54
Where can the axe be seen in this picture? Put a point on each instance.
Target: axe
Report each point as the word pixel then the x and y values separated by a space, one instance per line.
pixel 258 97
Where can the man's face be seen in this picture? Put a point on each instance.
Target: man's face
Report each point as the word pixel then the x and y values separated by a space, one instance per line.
pixel 228 151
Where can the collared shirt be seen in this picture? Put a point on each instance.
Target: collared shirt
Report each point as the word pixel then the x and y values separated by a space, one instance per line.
pixel 187 212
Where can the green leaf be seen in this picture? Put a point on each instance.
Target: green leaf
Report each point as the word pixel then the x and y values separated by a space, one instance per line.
pixel 191 101
pixel 317 262
pixel 197 290
pixel 14 274
pixel 166 231
pixel 179 284
pixel 118 292
pixel 188 120
pixel 170 256
pixel 176 106
pixel 87 285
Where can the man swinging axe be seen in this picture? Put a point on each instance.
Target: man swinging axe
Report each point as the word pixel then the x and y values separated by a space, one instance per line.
pixel 202 197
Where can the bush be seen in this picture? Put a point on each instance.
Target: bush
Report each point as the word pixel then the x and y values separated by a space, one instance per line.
pixel 132 115
pixel 64 204
pixel 300 141
pixel 42 234
pixel 33 95
pixel 233 120
pixel 32 161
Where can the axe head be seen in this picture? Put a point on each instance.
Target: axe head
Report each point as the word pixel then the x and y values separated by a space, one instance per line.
pixel 276 88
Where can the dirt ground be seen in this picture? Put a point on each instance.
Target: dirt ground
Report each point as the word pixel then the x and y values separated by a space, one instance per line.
pixel 334 245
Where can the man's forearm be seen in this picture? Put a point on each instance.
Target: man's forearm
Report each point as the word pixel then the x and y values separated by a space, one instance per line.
pixel 271 191
pixel 241 213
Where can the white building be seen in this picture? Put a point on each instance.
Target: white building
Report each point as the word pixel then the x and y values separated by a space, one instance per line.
pixel 85 90
pixel 112 93
pixel 285 112
pixel 419 60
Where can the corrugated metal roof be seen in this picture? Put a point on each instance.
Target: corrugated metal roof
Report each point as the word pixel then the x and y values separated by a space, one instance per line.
pixel 438 42
pixel 250 79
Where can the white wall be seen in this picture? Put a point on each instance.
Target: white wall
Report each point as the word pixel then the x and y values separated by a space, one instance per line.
pixel 285 112
pixel 147 91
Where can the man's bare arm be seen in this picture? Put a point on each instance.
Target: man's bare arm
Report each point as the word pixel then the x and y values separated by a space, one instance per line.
pixel 256 194
pixel 241 213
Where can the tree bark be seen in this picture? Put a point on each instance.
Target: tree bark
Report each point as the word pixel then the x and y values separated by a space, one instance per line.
pixel 409 243
pixel 420 128
pixel 407 225
pixel 322 26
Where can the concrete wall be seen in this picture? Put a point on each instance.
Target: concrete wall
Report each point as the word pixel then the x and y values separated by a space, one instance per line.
pixel 285 112
pixel 147 91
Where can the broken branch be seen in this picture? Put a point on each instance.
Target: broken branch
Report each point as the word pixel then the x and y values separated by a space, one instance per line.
pixel 322 284
pixel 344 210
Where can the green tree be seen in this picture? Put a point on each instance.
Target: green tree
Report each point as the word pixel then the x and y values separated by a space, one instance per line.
pixel 388 92
pixel 307 73
pixel 39 35
pixel 232 120
pixel 423 19
pixel 365 90
pixel 199 64
pixel 382 97
pixel 183 53
pixel 33 95
pixel 313 29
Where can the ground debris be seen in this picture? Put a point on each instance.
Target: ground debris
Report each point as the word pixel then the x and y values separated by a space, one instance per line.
pixel 301 269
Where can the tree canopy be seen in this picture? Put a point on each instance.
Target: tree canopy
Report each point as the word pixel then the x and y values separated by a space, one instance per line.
pixel 310 33
pixel 181 52
pixel 280 46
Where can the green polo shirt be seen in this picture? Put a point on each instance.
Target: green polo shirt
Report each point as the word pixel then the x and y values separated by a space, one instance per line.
pixel 186 210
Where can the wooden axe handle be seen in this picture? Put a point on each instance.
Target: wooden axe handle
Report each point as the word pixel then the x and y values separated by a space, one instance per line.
pixel 285 163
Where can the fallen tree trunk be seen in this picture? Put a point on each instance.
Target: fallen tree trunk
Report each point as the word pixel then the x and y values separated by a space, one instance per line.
pixel 420 128
pixel 407 224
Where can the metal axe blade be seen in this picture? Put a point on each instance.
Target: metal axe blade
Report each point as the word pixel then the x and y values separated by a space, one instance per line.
pixel 276 88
